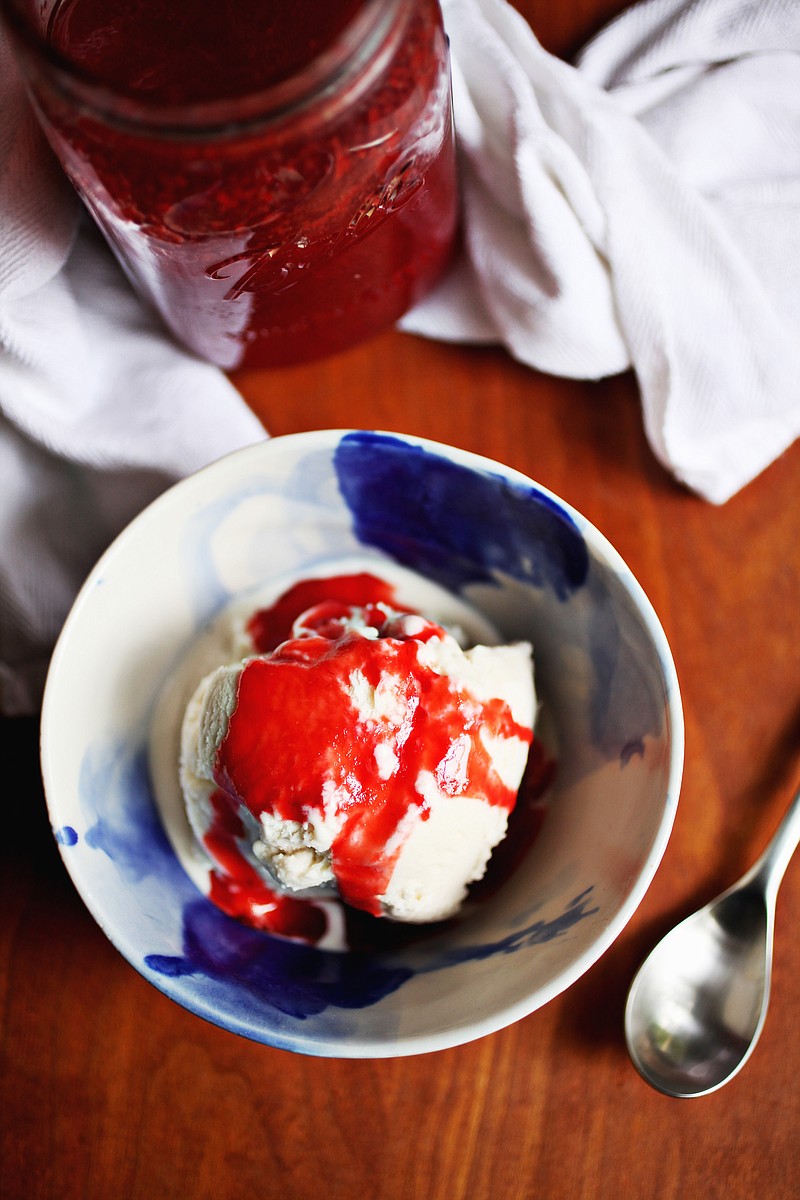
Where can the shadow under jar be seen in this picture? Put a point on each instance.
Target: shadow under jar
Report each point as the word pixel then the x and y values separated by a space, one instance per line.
pixel 277 177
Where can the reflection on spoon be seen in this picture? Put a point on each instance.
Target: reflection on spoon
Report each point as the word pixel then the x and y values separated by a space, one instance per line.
pixel 697 1006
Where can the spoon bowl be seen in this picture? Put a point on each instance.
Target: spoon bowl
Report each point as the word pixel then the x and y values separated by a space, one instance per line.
pixel 698 1003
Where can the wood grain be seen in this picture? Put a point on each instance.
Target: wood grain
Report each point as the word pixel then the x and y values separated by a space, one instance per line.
pixel 109 1090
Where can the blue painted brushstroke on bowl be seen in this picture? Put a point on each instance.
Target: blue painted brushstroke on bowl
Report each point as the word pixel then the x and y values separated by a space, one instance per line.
pixel 299 981
pixel 122 821
pixel 532 935
pixel 452 523
pixel 302 981
pixel 459 526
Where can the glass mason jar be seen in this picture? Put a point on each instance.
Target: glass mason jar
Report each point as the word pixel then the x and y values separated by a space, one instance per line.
pixel 270 215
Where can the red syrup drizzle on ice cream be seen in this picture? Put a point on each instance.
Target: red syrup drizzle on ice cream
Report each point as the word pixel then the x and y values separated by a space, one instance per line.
pixel 238 889
pixel 278 719
pixel 268 627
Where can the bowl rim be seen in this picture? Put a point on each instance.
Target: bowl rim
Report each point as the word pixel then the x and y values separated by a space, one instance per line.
pixel 412 1044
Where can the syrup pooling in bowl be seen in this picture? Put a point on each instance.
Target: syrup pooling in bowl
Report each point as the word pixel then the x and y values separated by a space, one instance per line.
pixel 233 878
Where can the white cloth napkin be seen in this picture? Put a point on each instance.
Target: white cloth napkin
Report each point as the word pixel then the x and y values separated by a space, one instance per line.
pixel 99 409
pixel 641 209
pixel 638 209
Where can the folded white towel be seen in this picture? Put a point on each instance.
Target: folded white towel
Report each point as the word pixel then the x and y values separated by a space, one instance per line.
pixel 641 209
pixel 99 409
pixel 638 209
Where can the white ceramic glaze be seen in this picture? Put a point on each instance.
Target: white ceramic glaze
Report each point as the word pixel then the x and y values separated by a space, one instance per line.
pixel 307 504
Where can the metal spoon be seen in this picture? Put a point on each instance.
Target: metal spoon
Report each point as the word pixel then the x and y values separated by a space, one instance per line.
pixel 697 1005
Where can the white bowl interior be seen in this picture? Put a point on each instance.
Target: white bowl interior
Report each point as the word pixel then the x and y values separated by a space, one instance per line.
pixel 305 505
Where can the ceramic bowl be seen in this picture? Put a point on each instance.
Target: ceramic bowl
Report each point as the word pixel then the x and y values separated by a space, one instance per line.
pixel 507 549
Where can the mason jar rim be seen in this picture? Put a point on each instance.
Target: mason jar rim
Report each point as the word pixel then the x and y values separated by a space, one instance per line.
pixel 355 58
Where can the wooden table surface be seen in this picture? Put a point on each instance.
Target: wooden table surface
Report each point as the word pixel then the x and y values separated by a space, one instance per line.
pixel 110 1091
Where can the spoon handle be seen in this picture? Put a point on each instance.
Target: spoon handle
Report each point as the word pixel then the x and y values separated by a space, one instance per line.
pixel 770 867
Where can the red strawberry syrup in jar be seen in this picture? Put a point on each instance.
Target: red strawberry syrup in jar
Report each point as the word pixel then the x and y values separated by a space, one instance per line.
pixel 277 177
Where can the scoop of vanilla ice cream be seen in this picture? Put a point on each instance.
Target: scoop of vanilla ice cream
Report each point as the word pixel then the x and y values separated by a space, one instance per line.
pixel 445 838
pixel 204 726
